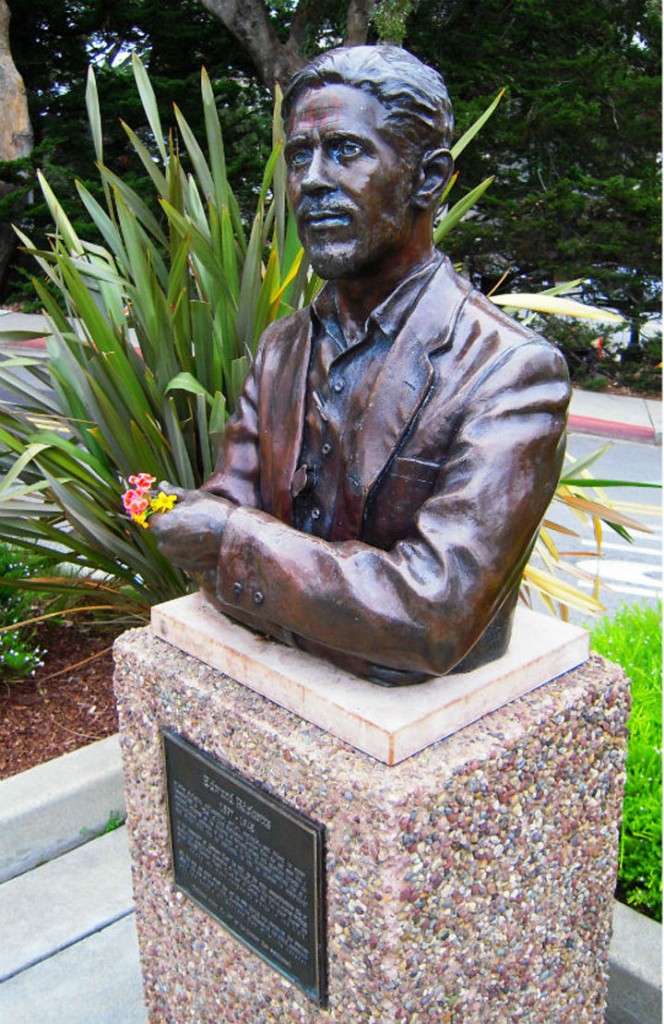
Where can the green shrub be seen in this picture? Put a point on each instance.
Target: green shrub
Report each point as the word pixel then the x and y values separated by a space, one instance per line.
pixel 599 357
pixel 633 639
pixel 20 654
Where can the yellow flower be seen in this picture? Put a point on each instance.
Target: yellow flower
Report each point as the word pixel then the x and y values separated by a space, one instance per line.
pixel 163 502
pixel 141 519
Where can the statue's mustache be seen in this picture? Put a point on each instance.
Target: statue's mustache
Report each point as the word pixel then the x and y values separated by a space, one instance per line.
pixel 311 208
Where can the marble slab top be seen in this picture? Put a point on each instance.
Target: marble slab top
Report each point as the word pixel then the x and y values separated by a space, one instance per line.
pixel 388 723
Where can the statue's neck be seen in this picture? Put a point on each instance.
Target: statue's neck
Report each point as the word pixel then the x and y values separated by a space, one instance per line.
pixel 357 298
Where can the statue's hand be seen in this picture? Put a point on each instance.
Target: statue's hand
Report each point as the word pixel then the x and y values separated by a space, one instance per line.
pixel 190 534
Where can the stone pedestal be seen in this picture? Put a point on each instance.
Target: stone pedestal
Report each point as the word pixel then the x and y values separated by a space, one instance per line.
pixel 470 883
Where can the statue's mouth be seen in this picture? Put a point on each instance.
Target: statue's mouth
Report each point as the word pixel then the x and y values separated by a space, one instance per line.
pixel 327 219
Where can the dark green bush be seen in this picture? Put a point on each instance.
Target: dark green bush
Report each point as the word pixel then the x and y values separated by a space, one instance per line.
pixel 20 654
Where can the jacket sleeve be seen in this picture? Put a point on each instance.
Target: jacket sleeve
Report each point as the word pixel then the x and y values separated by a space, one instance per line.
pixel 422 604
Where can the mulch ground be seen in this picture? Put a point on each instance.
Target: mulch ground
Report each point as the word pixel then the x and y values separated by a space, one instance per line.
pixel 67 704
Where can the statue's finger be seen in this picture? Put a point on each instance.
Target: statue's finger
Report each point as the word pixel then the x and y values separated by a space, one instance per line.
pixel 169 488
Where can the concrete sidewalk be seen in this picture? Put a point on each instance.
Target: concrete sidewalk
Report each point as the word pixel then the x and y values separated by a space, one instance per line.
pixel 616 416
pixel 68 946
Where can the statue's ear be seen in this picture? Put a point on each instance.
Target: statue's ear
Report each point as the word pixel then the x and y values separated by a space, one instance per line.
pixel 434 173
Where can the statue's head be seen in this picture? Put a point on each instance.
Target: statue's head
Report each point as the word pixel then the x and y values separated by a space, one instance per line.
pixel 367 136
pixel 414 95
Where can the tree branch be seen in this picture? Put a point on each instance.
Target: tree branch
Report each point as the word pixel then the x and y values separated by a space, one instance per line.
pixel 249 22
pixel 357 21
pixel 15 128
pixel 306 14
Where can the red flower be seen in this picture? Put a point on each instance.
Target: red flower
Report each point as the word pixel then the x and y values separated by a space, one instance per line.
pixel 135 502
pixel 142 481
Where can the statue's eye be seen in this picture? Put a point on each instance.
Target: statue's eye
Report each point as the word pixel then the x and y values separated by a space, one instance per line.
pixel 346 149
pixel 299 157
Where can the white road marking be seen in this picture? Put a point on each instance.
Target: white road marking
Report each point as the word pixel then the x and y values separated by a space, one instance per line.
pixel 633 549
pixel 623 589
pixel 624 576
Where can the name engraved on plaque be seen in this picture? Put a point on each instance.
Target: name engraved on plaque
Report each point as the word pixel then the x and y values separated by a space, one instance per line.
pixel 251 861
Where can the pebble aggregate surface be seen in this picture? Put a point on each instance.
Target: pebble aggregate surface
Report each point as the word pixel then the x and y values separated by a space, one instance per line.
pixel 470 884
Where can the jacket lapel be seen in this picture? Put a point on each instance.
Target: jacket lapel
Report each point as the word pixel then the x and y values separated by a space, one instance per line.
pixel 380 420
pixel 284 394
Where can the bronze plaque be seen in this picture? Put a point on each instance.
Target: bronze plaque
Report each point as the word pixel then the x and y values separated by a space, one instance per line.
pixel 251 861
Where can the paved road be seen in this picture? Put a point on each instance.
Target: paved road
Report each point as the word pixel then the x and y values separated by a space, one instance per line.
pixel 632 571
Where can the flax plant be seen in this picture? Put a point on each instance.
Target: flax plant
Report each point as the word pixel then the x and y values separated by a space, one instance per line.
pixel 149 342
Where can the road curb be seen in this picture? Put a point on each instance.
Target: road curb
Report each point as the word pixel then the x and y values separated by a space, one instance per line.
pixel 59 805
pixel 617 431
pixel 635 969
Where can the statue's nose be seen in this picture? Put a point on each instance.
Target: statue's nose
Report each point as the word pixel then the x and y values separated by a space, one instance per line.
pixel 317 175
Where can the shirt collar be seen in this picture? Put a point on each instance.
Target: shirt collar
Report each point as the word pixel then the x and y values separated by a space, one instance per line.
pixel 389 316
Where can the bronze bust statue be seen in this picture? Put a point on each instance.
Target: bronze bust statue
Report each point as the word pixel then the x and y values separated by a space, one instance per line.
pixel 380 485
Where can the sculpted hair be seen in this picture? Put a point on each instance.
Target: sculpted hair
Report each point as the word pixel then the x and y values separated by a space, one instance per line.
pixel 415 96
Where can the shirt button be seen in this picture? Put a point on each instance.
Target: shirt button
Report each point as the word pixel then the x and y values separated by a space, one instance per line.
pixel 338 386
pixel 258 597
pixel 315 513
pixel 327 448
pixel 237 589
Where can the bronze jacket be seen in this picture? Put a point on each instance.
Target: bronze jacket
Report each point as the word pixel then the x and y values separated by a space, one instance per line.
pixel 450 462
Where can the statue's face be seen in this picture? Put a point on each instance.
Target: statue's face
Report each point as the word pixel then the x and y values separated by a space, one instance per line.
pixel 349 185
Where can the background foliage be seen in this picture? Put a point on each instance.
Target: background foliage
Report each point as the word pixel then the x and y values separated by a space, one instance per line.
pixel 575 147
pixel 53 45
